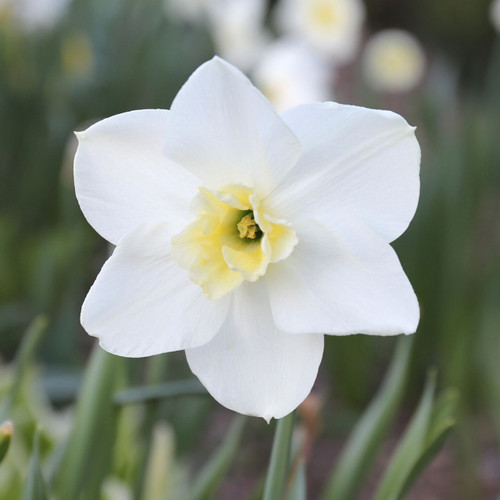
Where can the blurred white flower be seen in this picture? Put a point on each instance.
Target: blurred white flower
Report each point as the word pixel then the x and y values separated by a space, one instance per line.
pixel 237 28
pixel 495 14
pixel 243 236
pixel 290 73
pixel 35 15
pixel 161 466
pixel 115 489
pixel 393 61
pixel 331 26
pixel 192 11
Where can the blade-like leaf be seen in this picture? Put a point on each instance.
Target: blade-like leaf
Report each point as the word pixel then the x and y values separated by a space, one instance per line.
pixel 367 435
pixel 411 447
pixel 155 373
pixel 213 472
pixel 298 487
pixel 280 456
pixel 441 424
pixel 159 391
pixel 24 357
pixel 35 488
pixel 87 459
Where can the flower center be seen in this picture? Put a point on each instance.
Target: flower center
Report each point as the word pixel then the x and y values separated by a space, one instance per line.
pixel 233 239
pixel 324 15
pixel 248 228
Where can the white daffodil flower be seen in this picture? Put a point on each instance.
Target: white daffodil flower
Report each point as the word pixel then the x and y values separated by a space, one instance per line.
pixel 393 61
pixel 237 28
pixel 243 236
pixel 330 26
pixel 191 11
pixel 495 14
pixel 290 73
pixel 35 15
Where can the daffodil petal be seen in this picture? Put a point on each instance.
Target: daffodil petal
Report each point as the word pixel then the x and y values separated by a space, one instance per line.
pixel 142 303
pixel 251 262
pixel 123 179
pixel 225 131
pixel 282 239
pixel 342 281
pixel 355 160
pixel 195 250
pixel 251 366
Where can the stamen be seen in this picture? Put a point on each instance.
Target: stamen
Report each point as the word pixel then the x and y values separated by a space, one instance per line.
pixel 248 228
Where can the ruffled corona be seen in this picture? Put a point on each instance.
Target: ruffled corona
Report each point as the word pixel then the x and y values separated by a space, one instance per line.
pixel 232 240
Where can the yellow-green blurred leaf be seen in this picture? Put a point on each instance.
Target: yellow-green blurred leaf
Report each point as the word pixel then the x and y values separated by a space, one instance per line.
pixel 35 488
pixel 6 431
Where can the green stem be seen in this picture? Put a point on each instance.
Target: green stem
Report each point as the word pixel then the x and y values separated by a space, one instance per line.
pixel 278 466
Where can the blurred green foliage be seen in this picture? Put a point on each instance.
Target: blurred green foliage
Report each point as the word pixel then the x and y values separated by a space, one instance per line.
pixel 113 56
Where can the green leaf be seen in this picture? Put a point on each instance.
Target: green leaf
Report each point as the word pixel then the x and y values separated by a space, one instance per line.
pixel 213 472
pixel 24 357
pixel 6 431
pixel 154 392
pixel 411 447
pixel 155 373
pixel 280 455
pixel 35 488
pixel 442 423
pixel 87 458
pixel 368 433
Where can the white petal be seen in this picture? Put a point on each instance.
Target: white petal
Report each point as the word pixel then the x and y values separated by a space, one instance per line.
pixel 123 179
pixel 225 131
pixel 252 367
pixel 142 303
pixel 355 160
pixel 342 282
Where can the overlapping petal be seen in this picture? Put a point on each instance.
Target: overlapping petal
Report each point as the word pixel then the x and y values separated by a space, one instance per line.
pixel 225 131
pixel 123 179
pixel 355 160
pixel 342 279
pixel 251 366
pixel 290 240
pixel 142 303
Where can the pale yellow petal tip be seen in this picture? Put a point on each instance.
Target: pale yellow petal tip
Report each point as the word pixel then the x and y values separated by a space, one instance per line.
pixel 267 418
pixel 7 428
